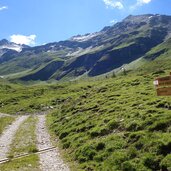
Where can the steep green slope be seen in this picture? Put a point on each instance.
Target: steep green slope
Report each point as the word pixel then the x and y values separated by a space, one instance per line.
pixel 44 73
pixel 163 51
pixel 25 62
pixel 157 59
pixel 134 47
pixel 136 39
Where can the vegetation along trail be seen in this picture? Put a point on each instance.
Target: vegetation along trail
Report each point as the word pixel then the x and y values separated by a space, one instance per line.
pixel 8 135
pixel 49 160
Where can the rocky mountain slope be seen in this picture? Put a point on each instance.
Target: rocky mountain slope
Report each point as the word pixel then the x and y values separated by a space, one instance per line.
pixel 92 54
pixel 8 50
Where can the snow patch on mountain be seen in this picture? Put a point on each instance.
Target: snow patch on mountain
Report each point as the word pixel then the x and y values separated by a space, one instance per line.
pixel 150 17
pixel 86 37
pixel 15 47
pixel 5 44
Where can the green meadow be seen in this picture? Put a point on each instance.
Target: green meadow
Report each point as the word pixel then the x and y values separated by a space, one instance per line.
pixel 110 124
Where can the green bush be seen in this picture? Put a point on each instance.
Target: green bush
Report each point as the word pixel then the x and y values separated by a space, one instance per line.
pixel 63 135
pixel 151 162
pixel 85 153
pixel 113 124
pixel 100 146
pixel 166 163
pixel 165 148
pixel 127 166
pixel 115 161
pixel 160 125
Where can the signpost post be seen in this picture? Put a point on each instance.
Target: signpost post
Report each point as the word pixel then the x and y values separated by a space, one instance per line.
pixel 163 86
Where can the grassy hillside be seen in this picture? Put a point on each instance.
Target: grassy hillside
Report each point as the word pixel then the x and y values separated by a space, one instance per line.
pixel 154 61
pixel 159 57
pixel 25 62
pixel 115 124
pixel 44 73
pixel 107 124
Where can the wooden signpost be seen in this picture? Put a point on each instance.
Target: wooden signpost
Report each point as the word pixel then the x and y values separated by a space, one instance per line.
pixel 163 86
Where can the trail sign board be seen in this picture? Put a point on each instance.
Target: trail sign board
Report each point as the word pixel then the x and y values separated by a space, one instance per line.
pixel 163 86
pixel 164 91
pixel 164 81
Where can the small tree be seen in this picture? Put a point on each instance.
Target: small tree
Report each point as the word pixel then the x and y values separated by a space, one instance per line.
pixel 124 71
pixel 113 74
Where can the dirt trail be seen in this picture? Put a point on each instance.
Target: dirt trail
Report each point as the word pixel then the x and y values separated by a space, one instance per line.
pixel 8 135
pixel 51 160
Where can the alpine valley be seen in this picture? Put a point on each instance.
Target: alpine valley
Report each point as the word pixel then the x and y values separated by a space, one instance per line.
pixel 131 44
pixel 89 103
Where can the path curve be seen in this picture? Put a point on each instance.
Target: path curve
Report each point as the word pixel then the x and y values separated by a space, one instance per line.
pixel 51 160
pixel 8 135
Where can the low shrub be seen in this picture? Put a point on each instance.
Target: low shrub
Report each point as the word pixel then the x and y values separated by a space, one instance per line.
pixel 166 163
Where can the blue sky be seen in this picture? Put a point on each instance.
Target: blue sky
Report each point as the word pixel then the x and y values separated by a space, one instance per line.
pixel 35 22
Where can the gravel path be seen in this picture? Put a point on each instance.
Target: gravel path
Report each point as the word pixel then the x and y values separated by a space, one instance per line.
pixel 7 136
pixel 50 160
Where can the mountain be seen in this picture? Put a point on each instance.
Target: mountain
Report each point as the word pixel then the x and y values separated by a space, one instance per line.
pixel 8 50
pixel 136 37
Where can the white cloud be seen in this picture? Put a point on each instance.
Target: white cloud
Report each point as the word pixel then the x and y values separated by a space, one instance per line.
pixel 140 3
pixel 113 21
pixel 3 8
pixel 21 39
pixel 113 4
